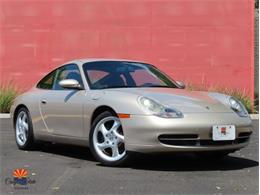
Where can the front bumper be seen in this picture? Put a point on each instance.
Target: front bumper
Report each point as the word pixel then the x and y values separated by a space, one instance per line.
pixel 142 132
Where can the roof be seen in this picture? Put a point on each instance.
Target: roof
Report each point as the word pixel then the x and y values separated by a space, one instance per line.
pixel 85 60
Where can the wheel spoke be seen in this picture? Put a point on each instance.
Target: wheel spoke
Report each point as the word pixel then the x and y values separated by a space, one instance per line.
pixel 25 125
pixel 19 121
pixel 115 151
pixel 115 125
pixel 103 129
pixel 25 134
pixel 103 146
pixel 120 138
pixel 21 137
pixel 23 117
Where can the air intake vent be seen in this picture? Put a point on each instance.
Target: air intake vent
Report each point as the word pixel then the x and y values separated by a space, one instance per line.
pixel 179 139
pixel 244 134
pixel 179 136
pixel 193 140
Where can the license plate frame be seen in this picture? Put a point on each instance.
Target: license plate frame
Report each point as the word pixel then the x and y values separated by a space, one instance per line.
pixel 223 132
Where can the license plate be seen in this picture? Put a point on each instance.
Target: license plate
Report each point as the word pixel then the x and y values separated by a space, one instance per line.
pixel 224 132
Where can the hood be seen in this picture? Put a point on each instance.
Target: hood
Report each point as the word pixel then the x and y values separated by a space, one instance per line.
pixel 184 100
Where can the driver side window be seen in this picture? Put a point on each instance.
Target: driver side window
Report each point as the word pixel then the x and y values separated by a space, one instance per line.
pixel 70 71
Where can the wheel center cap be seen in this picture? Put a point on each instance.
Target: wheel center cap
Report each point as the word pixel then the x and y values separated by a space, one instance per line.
pixel 110 136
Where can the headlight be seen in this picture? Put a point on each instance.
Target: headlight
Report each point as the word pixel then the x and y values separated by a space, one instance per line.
pixel 157 109
pixel 238 107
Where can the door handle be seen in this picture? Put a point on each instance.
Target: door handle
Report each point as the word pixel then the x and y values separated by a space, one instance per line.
pixel 43 101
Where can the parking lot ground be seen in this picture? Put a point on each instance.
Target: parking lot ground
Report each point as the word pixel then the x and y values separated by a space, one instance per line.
pixel 63 169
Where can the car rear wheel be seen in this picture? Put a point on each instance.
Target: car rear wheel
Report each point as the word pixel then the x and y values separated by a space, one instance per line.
pixel 107 142
pixel 23 130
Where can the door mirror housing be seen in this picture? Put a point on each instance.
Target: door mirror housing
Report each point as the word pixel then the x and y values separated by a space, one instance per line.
pixel 181 84
pixel 70 84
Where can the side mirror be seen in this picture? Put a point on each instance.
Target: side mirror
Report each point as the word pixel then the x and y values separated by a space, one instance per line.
pixel 180 84
pixel 70 84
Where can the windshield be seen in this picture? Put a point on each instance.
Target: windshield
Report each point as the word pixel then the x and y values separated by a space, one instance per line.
pixel 120 74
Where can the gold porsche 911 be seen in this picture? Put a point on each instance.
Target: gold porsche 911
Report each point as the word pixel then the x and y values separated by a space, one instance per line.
pixel 119 106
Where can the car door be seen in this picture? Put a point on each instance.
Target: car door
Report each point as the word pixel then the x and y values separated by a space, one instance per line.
pixel 62 109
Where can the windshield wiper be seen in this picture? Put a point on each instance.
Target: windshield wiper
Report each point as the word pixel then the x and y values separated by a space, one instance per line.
pixel 123 86
pixel 159 86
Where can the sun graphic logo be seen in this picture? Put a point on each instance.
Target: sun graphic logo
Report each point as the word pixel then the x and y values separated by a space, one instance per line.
pixel 20 176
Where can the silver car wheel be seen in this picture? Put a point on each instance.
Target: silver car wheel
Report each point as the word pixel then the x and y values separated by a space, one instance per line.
pixel 108 139
pixel 22 128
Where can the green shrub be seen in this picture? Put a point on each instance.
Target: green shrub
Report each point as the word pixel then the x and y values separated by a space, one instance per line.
pixel 241 95
pixel 7 95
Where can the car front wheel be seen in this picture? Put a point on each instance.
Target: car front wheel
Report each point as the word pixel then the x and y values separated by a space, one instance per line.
pixel 107 141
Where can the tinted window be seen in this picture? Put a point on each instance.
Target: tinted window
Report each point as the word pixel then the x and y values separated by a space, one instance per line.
pixel 116 74
pixel 70 71
pixel 95 75
pixel 142 76
pixel 47 81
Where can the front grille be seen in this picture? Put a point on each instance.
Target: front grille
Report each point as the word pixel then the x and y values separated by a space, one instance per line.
pixel 244 134
pixel 243 137
pixel 193 140
pixel 179 139
pixel 179 136
pixel 216 143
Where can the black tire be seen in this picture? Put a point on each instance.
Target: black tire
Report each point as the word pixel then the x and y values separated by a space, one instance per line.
pixel 121 162
pixel 29 143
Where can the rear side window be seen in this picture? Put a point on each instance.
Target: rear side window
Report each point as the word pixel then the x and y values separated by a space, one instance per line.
pixel 47 81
